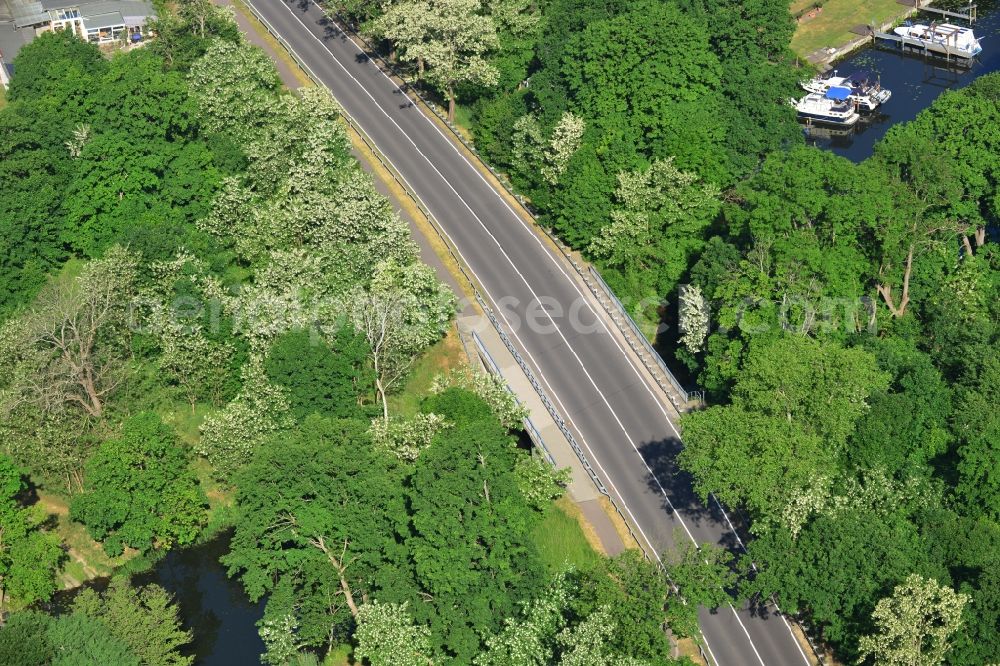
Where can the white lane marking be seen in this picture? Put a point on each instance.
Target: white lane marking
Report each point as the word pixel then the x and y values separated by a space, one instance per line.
pixel 548 254
pixel 607 477
pixel 752 564
pixel 513 266
pixel 749 640
pixel 710 653
pixel 792 633
pixel 555 326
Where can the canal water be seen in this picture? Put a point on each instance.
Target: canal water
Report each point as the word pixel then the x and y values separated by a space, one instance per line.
pixel 914 83
pixel 212 605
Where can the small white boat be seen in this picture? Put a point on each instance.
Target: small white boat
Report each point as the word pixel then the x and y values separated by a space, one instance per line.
pixel 946 37
pixel 866 92
pixel 832 107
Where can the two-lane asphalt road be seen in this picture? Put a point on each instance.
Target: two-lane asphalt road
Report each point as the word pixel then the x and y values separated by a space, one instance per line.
pixel 600 390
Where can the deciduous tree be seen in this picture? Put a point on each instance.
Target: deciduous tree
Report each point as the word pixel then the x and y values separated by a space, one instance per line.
pixel 658 223
pixel 145 619
pixel 327 378
pixel 29 555
pixel 70 349
pixel 319 518
pixel 915 624
pixel 230 437
pixel 139 491
pixel 232 84
pixel 387 636
pixel 469 540
pixel 703 576
pixel 450 37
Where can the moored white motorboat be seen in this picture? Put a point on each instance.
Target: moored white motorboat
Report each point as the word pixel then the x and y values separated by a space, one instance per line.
pixel 832 107
pixel 947 37
pixel 866 92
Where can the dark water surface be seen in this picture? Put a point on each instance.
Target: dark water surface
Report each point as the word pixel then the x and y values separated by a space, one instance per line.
pixel 914 83
pixel 212 605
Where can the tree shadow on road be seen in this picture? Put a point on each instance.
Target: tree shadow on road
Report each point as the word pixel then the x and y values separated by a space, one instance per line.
pixel 661 458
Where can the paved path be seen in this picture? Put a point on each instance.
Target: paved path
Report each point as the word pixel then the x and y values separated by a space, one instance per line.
pixel 581 489
pixel 621 420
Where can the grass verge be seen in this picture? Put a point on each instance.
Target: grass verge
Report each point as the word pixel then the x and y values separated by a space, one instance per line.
pixel 86 558
pixel 616 519
pixel 439 359
pixel 278 51
pixel 687 647
pixel 184 420
pixel 800 5
pixel 340 655
pixel 560 539
pixel 831 26
pixel 463 121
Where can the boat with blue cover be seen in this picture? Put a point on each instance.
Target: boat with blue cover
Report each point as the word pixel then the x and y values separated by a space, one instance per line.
pixel 833 107
pixel 866 90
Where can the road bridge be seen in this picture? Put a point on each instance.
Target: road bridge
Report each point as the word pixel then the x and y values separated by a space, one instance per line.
pixel 621 419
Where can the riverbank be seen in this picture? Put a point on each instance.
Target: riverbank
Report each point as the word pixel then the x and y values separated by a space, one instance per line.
pixel 831 29
pixel 915 83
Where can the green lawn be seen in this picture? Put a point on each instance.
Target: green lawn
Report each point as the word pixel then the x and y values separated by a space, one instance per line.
pixel 832 26
pixel 463 120
pixel 85 558
pixel 437 360
pixel 799 5
pixel 560 540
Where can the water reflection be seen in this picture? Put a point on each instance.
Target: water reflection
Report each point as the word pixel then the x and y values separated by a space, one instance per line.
pixel 915 84
pixel 212 606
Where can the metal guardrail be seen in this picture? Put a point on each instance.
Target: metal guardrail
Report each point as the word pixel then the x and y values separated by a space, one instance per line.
pixel 684 399
pixel 529 425
pixel 453 251
pixel 683 396
pixel 460 262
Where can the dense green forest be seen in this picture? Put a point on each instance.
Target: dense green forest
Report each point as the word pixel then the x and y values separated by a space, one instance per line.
pixel 209 318
pixel 856 373
pixel 843 318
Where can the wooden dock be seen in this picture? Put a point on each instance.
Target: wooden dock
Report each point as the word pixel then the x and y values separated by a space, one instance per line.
pixel 924 47
pixel 969 15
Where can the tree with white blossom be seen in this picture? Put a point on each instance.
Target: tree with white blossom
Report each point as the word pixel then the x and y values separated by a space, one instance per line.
pixel 585 644
pixel 540 482
pixel 693 312
pixel 230 437
pixel 566 138
pixel 529 639
pixel 492 388
pixel 404 310
pixel 551 156
pixel 659 221
pixel 278 635
pixel 449 37
pixel 405 438
pixel 231 85
pixel 387 636
pixel 914 624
